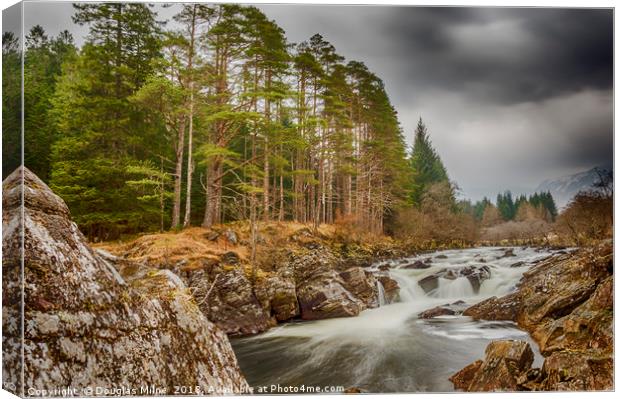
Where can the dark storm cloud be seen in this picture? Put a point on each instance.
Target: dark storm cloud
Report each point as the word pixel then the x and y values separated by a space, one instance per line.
pixel 507 55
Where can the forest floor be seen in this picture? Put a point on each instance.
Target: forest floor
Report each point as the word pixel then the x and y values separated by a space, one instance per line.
pixel 191 248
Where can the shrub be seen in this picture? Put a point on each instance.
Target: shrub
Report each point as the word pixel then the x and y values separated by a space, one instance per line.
pixel 587 218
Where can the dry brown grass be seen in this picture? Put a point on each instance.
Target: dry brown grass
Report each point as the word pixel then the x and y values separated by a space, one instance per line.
pixel 193 247
pixel 170 248
pixel 348 229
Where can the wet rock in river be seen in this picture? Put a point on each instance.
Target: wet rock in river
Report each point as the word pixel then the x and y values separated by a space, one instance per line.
pixel 448 309
pixel 390 287
pixel 325 297
pixel 418 264
pixel 362 285
pixel 507 253
pixel 475 274
pixel 429 283
pixel 463 378
pixel 436 311
pixel 505 308
pixel 320 289
pixel 449 274
pixel 227 298
pixel 441 256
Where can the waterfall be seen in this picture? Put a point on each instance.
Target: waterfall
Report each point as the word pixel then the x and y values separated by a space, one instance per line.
pixel 381 294
pixel 416 354
pixel 459 288
pixel 409 289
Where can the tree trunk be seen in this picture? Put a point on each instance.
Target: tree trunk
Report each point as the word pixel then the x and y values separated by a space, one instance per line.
pixel 266 214
pixel 281 213
pixel 211 195
pixel 190 163
pixel 119 49
pixel 162 189
pixel 348 195
pixel 178 172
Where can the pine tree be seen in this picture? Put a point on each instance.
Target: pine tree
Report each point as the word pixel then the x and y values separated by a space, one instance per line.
pixel 102 132
pixel 11 103
pixel 506 206
pixel 267 56
pixel 425 163
pixel 225 119
pixel 151 185
pixel 479 208
pixel 164 102
pixel 196 20
pixel 42 66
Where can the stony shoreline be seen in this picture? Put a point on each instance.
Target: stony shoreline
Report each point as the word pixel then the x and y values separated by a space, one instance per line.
pixel 566 304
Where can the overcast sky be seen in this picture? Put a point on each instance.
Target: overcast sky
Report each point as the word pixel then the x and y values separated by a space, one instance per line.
pixel 510 96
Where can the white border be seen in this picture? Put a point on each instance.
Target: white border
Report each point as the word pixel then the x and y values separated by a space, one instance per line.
pixel 482 3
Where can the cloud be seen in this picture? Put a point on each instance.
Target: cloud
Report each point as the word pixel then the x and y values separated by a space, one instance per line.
pixel 490 148
pixel 507 55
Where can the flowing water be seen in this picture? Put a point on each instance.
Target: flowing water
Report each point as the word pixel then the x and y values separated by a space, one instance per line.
pixel 389 349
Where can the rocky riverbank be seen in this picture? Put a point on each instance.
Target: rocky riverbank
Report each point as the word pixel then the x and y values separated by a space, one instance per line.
pixel 97 325
pixel 301 273
pixel 566 304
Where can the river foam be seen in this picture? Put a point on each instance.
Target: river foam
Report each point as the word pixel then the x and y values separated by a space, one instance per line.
pixel 389 349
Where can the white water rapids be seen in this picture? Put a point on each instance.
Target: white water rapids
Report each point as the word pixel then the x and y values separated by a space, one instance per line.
pixel 389 349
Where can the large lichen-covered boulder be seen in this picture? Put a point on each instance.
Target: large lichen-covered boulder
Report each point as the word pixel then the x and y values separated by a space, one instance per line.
pixel 590 370
pixel 278 297
pixel 324 296
pixel 90 327
pixel 494 308
pixel 504 364
pixel 320 289
pixel 227 299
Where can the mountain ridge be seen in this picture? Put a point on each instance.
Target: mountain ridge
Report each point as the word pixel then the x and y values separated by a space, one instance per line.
pixel 564 188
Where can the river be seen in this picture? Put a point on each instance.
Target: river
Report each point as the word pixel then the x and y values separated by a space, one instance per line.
pixel 390 349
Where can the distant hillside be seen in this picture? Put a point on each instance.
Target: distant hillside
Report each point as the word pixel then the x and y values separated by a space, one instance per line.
pixel 564 188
